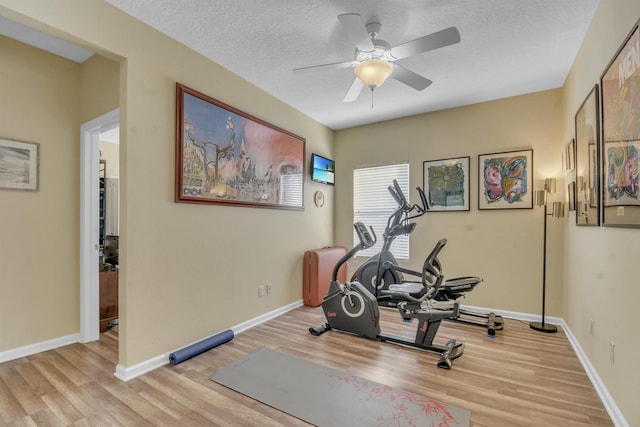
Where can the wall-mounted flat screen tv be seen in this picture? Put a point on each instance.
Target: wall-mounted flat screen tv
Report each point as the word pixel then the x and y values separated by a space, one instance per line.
pixel 322 169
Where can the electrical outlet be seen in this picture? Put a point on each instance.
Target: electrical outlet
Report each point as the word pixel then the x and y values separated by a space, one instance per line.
pixel 261 290
pixel 592 327
pixel 268 286
pixel 612 351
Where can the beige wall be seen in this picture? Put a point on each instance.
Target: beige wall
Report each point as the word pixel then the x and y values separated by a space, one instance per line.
pixel 39 255
pixel 218 255
pixel 601 282
pixel 503 247
pixel 99 86
pixel 591 268
pixel 110 153
pixel 187 271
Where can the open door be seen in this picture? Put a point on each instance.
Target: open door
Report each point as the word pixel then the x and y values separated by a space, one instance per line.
pixel 89 222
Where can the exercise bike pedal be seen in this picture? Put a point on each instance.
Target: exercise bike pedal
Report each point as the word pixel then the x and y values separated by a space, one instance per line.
pixel 457 350
pixel 444 363
pixel 320 329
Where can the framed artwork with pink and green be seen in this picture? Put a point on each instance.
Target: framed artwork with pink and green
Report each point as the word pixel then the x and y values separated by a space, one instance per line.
pixel 505 179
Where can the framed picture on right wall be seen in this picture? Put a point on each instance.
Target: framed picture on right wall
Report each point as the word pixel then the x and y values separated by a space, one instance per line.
pixel 620 86
pixel 587 177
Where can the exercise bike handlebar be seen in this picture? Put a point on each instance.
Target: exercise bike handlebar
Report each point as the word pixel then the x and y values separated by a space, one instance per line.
pixel 367 239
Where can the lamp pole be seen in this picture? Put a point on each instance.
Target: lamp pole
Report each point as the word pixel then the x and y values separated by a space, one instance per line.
pixel 541 326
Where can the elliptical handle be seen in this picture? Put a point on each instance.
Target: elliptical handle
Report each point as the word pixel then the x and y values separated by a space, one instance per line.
pixel 423 199
pixel 403 200
pixel 395 195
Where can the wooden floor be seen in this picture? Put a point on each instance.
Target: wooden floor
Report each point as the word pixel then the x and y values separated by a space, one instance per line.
pixel 519 378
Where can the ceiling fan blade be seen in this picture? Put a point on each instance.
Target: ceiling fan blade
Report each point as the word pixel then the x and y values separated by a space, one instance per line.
pixel 352 22
pixel 410 78
pixel 323 67
pixel 436 40
pixel 354 91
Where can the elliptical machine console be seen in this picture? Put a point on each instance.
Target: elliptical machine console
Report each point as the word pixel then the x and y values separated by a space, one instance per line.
pixel 351 308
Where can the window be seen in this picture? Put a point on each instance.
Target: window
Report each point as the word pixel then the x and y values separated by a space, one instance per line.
pixel 291 186
pixel 373 204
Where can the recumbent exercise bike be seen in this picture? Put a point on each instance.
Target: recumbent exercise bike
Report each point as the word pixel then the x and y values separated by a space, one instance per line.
pixel 351 308
pixel 381 270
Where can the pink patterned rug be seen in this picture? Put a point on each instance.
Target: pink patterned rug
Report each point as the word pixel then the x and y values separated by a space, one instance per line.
pixel 328 397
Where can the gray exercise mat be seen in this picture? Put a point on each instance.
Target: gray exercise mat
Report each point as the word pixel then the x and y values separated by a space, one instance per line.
pixel 328 397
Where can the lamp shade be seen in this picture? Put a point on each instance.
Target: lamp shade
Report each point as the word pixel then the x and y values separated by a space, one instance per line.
pixel 373 72
pixel 550 185
pixel 540 197
pixel 558 209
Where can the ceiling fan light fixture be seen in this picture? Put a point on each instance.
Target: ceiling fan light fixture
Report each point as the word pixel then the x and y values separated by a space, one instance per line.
pixel 373 72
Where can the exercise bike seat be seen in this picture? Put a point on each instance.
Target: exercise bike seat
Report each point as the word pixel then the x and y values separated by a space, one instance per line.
pixel 413 288
pixel 451 287
pixel 432 278
pixel 455 288
pixel 461 284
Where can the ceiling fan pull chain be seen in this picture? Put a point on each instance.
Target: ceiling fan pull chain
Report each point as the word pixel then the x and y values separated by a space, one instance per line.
pixel 371 97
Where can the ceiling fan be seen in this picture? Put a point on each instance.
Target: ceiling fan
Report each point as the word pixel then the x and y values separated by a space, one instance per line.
pixel 374 58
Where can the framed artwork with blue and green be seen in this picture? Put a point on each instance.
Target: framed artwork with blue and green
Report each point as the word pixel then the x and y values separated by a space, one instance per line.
pixel 446 184
pixel 504 180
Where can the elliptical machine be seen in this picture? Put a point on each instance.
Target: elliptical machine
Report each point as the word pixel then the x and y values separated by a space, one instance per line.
pixel 351 308
pixel 381 270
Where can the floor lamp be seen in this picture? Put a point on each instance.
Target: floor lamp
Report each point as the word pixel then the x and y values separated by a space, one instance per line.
pixel 540 199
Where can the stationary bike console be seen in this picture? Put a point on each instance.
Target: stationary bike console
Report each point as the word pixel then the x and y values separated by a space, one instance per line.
pixel 366 239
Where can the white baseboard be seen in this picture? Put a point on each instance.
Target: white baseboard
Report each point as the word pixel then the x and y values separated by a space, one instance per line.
pixel 126 373
pixel 608 402
pixel 525 317
pixel 28 350
pixel 267 316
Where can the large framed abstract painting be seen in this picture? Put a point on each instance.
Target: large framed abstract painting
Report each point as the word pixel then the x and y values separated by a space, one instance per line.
pixel 446 184
pixel 504 180
pixel 227 157
pixel 587 130
pixel 620 86
pixel 19 164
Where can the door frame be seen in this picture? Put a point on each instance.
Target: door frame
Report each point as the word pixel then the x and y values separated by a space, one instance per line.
pixel 89 222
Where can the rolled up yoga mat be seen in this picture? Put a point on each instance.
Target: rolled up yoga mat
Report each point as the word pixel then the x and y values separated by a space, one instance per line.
pixel 200 347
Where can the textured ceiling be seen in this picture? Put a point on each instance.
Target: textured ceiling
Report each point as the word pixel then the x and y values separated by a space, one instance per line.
pixel 508 47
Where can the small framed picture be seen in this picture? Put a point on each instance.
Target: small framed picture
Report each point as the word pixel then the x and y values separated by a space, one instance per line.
pixel 569 157
pixel 446 184
pixel 571 191
pixel 504 180
pixel 19 164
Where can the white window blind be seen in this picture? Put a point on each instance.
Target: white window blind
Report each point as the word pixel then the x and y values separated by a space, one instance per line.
pixel 291 189
pixel 373 204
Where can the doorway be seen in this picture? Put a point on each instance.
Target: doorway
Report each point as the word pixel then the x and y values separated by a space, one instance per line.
pixel 90 222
